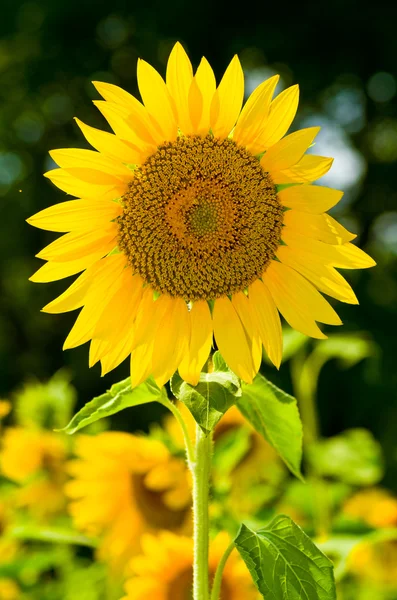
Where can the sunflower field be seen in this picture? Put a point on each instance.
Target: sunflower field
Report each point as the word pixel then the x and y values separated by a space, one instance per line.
pixel 198 307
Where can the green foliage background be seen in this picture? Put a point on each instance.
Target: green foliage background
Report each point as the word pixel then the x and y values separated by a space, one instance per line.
pixel 49 53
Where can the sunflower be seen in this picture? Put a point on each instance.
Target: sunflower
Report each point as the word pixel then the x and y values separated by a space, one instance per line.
pixel 35 460
pixel 165 570
pixel 195 219
pixel 124 485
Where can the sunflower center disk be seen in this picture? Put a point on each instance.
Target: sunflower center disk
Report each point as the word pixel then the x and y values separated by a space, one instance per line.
pixel 201 219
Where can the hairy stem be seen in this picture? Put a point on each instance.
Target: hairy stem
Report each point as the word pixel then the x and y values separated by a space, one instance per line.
pixel 201 468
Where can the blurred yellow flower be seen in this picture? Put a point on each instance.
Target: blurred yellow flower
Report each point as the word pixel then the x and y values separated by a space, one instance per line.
pixel 125 485
pixel 375 562
pixel 181 228
pixel 376 507
pixel 5 408
pixel 35 459
pixel 8 545
pixel 164 570
pixel 9 590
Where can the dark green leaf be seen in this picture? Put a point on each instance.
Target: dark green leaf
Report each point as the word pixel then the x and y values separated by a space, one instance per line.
pixel 119 396
pixel 284 563
pixel 274 414
pixel 214 394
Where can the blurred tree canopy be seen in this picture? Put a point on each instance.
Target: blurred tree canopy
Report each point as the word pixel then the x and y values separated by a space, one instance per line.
pixel 344 58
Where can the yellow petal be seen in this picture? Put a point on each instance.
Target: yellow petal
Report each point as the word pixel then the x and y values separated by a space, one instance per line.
pixel 288 151
pixel 201 93
pixel 97 177
pixel 97 349
pixel 76 187
pixel 313 199
pixel 345 256
pixel 157 99
pixel 53 271
pixel 195 105
pixel 255 112
pixel 75 295
pixel 232 340
pixel 243 308
pixel 297 300
pixel 73 245
pixel 76 215
pixel 89 159
pixel 325 278
pixel 120 350
pixel 308 169
pixel 268 320
pixel 171 341
pixel 179 78
pixel 150 314
pixel 199 344
pixel 83 327
pixel 110 145
pixel 282 113
pixel 124 305
pixel 99 293
pixel 320 227
pixel 141 363
pixel 116 95
pixel 135 128
pixel 228 100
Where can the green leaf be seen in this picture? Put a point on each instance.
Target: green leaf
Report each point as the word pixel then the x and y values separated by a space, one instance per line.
pixel 53 535
pixel 119 396
pixel 274 414
pixel 353 457
pixel 219 364
pixel 214 394
pixel 284 563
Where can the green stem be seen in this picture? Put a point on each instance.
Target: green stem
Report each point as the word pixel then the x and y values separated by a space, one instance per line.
pixel 216 586
pixel 305 373
pixel 201 468
pixel 178 416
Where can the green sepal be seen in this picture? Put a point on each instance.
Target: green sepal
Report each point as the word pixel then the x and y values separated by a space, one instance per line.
pixel 214 394
pixel 284 563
